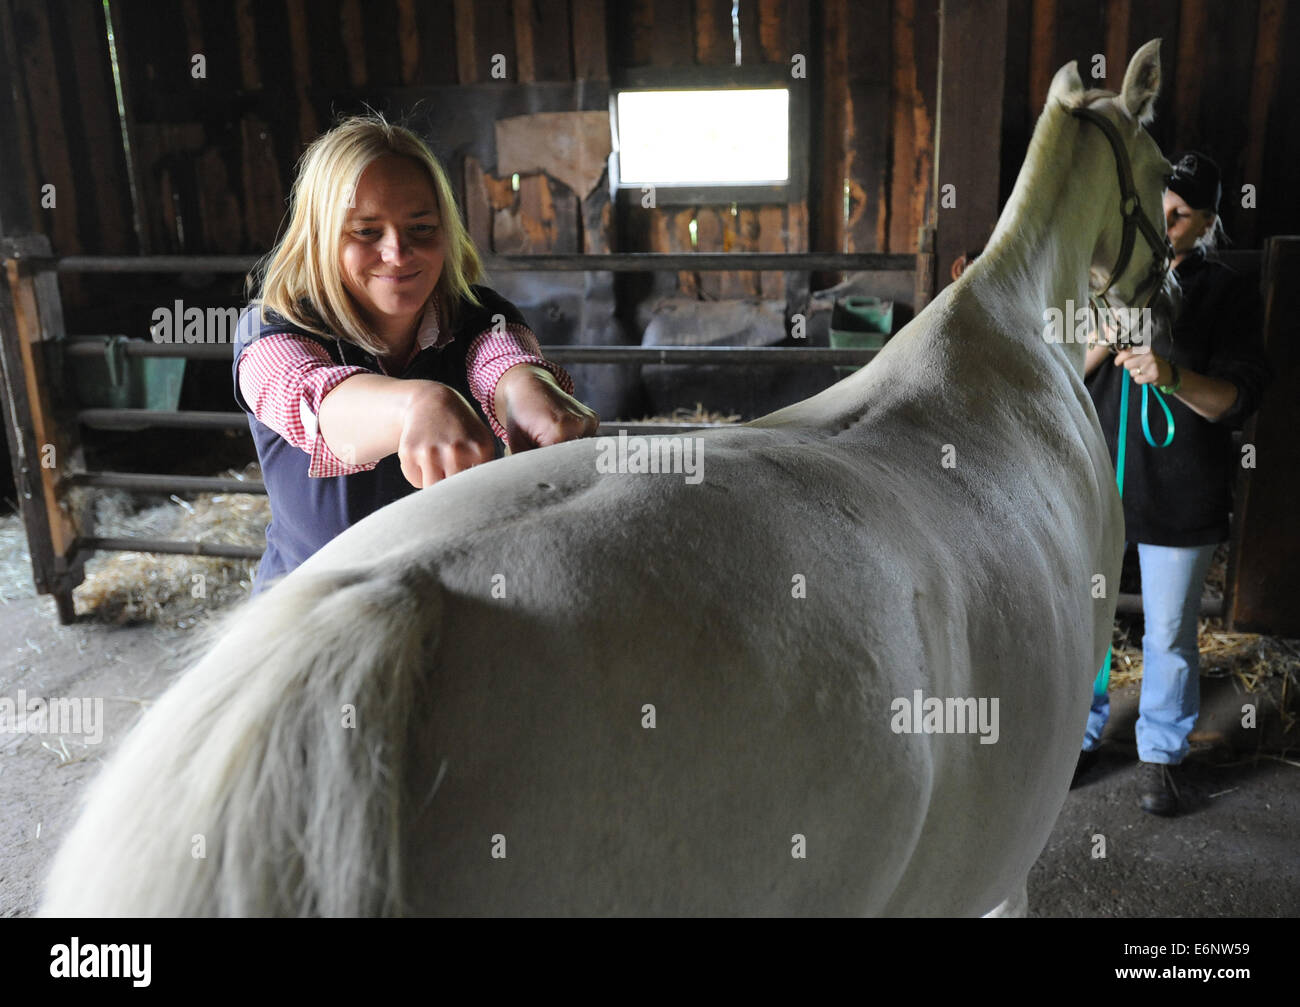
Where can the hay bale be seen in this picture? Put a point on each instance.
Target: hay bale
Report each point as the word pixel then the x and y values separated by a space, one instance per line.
pixel 172 590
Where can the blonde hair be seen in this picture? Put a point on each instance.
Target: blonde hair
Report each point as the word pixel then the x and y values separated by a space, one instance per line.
pixel 301 279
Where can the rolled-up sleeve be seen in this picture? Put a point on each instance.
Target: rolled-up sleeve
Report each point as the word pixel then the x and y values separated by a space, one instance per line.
pixel 1238 354
pixel 284 379
pixel 493 353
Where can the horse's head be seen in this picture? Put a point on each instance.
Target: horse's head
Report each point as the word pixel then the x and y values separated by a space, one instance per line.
pixel 1130 261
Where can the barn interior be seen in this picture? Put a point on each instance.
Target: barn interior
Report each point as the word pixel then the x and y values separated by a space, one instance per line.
pixel 149 150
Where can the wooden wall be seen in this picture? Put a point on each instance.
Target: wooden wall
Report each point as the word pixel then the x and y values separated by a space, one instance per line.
pixel 213 158
pixel 1231 74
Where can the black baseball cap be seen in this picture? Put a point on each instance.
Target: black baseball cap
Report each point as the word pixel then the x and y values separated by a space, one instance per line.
pixel 1196 179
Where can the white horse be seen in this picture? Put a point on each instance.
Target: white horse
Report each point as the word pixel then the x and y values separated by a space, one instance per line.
pixel 537 688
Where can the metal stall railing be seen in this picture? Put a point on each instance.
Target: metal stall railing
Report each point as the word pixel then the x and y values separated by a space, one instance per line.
pixel 40 431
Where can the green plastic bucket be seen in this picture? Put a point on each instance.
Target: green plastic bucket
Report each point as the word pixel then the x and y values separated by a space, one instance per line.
pixel 860 323
pixel 113 380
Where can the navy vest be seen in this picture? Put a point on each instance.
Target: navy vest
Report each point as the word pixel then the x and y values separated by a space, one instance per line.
pixel 307 512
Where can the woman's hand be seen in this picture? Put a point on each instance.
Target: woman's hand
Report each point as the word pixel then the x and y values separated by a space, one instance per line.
pixel 441 435
pixel 1144 366
pixel 536 412
pixel 1208 397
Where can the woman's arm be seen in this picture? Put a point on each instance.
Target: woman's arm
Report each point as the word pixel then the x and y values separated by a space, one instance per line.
pixel 1206 396
pixel 430 427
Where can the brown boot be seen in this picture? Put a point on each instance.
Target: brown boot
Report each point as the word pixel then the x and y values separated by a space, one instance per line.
pixel 1157 793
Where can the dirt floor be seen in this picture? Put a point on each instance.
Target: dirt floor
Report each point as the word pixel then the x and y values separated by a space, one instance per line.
pixel 1234 853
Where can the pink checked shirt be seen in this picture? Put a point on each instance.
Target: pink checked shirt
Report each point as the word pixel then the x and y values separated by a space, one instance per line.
pixel 285 377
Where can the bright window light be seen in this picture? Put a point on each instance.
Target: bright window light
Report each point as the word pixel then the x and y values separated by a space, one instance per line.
pixel 703 137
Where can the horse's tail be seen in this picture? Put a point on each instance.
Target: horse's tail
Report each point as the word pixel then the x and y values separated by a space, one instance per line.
pixel 268 780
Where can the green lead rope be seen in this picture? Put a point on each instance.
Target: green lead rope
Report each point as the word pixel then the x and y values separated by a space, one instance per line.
pixel 1102 682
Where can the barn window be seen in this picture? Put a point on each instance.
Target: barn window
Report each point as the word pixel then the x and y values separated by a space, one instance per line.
pixel 708 135
pixel 718 137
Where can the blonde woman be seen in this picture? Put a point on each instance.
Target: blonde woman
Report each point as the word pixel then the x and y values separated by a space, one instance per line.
pixel 375 362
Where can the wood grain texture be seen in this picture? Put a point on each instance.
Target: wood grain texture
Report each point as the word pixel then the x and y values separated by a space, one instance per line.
pixel 590 42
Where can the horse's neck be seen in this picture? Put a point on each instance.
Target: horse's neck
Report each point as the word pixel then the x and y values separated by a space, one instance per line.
pixel 1040 252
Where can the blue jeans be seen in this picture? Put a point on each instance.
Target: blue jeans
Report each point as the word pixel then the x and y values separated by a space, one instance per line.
pixel 1171 663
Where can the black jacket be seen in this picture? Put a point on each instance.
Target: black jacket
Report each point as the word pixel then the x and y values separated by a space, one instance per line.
pixel 1181 495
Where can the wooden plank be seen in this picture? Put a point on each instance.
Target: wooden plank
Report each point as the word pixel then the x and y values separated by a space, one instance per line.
pixel 708 238
pixel 1080 35
pixel 19 197
pixel 104 224
pixel 466 46
pixel 1263 580
pixel 408 40
pixel 739 234
pixel 24 447
pixel 590 47
pixel 772 38
pixel 713 42
pixel 866 137
pixel 40 419
pixel 219 209
pixel 797 283
pixel 353 33
pixel 300 61
pixel 1191 50
pixel 671 43
pixel 542 39
pixel 674 235
pixel 1017 120
pixel 264 204
pixel 634 35
pixel 771 237
pixel 524 17
pixel 383 44
pixel 751 50
pixel 478 213
pixel 1158 19
pixel 45 84
pixel 829 208
pixel 1042 53
pixel 573 147
pixel 597 222
pixel 1262 107
pixel 438 54
pixel 329 60
pixel 492 39
pixel 1228 62
pixel 971 67
pixel 250 77
pixel 1118 49
pixel 914 57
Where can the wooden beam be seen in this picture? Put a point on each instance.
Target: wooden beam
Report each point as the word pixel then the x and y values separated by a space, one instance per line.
pixel 972 51
pixel 590 49
pixel 41 450
pixel 1263 580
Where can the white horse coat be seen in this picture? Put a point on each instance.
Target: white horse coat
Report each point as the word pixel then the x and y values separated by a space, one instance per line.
pixel 539 689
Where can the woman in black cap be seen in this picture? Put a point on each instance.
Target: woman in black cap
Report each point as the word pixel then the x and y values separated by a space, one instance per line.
pixel 1177 498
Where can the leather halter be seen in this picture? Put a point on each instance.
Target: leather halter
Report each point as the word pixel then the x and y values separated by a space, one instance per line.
pixel 1162 250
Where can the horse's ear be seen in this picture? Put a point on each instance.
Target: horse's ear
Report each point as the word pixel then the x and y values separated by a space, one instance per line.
pixel 1142 82
pixel 1065 84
